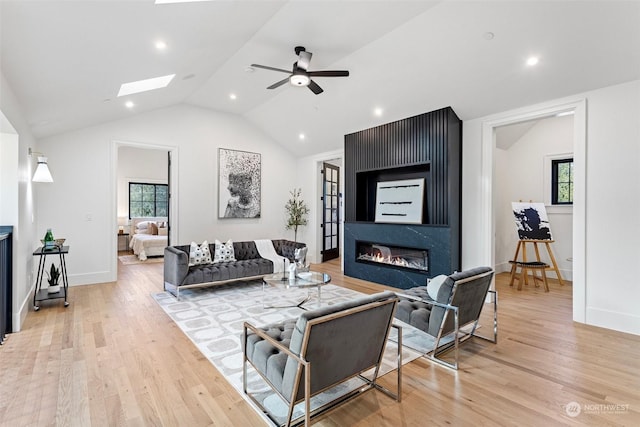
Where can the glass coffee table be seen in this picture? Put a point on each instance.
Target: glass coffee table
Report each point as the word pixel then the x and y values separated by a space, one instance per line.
pixel 308 280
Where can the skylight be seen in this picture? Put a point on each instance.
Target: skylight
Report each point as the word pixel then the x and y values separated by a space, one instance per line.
pixel 145 85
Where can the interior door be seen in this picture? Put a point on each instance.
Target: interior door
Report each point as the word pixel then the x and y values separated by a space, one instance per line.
pixel 330 212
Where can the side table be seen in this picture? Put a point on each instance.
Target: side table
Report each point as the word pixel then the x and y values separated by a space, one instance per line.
pixel 43 294
pixel 126 241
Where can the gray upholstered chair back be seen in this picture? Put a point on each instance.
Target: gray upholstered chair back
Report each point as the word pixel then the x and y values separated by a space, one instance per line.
pixel 340 341
pixel 468 292
pixel 461 296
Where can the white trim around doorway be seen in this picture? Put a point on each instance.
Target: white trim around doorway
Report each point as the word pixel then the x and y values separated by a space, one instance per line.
pixel 488 147
pixel 173 208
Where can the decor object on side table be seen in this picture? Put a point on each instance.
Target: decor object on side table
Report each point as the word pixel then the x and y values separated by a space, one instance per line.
pixel 53 277
pixel 297 212
pixel 238 184
pixel 48 240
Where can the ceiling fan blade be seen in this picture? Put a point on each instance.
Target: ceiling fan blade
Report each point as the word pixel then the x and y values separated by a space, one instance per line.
pixel 313 86
pixel 304 60
pixel 271 68
pixel 278 84
pixel 329 73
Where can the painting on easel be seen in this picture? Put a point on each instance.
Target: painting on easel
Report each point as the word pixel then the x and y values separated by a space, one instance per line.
pixel 531 221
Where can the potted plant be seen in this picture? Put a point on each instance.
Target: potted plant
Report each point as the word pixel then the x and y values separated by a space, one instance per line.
pixel 297 211
pixel 53 277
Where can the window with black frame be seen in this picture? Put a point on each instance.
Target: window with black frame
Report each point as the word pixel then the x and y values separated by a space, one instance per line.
pixel 562 182
pixel 148 200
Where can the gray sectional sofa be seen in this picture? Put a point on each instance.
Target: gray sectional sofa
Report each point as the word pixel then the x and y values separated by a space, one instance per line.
pixel 178 274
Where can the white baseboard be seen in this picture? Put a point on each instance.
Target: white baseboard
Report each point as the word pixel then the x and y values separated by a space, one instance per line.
pixel 623 322
pixel 17 319
pixel 91 278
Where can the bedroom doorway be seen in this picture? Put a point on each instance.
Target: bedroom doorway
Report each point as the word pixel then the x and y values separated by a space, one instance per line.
pixel 144 182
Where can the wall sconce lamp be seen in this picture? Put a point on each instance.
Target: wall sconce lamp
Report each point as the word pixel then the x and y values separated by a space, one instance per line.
pixel 42 173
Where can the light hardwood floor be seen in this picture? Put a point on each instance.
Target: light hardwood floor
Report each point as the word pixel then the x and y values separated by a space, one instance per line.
pixel 114 358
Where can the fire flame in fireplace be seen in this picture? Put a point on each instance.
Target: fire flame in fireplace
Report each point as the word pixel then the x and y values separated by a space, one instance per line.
pixel 384 257
pixel 390 260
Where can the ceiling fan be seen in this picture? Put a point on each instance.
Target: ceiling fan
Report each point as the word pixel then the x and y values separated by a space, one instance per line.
pixel 300 75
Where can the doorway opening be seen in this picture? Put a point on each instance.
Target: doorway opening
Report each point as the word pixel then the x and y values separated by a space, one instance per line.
pixel 525 152
pixel 488 201
pixel 143 167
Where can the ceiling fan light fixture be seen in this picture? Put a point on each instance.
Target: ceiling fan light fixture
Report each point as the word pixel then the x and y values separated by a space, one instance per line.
pixel 299 80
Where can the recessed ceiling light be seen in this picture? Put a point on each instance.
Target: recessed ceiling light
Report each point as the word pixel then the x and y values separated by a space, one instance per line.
pixel 488 35
pixel 145 85
pixel 532 60
pixel 301 136
pixel 161 45
pixel 232 96
pixel 378 111
pixel 129 104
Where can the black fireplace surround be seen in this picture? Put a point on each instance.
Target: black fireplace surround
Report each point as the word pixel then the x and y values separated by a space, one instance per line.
pixel 429 147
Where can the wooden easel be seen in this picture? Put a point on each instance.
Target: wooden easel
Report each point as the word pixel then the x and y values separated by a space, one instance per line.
pixel 523 244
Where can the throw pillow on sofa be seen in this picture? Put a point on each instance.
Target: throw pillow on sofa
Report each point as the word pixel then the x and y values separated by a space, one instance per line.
pixel 199 254
pixel 224 252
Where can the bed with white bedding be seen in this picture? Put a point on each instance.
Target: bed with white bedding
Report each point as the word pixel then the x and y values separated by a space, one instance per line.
pixel 149 236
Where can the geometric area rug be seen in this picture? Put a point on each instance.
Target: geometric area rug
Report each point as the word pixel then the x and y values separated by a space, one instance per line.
pixel 212 318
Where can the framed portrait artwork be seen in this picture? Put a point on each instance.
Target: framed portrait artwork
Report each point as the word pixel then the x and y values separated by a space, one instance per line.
pixel 239 184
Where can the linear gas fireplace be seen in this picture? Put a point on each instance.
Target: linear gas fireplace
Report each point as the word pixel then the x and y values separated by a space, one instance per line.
pixel 393 256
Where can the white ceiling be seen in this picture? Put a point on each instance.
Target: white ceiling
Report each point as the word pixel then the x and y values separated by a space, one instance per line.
pixel 65 60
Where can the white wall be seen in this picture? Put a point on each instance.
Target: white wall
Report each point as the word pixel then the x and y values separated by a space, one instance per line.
pixel 138 165
pixel 9 197
pixel 24 238
pixel 83 194
pixel 520 174
pixel 612 186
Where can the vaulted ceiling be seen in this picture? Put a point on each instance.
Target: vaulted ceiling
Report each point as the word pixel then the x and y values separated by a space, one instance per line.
pixel 65 60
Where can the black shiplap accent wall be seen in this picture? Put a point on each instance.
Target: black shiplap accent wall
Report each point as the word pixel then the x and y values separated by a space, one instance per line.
pixel 432 139
pixel 428 145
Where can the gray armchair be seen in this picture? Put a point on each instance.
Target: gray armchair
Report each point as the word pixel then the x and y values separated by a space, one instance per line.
pixel 459 303
pixel 321 349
